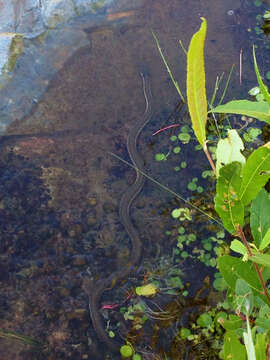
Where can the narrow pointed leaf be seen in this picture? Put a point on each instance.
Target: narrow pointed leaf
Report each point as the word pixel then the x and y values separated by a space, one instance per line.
pixel 259 218
pixel 196 93
pixel 263 87
pixel 265 241
pixel 256 109
pixel 227 203
pixel 255 174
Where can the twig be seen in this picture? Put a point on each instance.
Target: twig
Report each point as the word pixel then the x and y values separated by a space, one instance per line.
pixel 165 128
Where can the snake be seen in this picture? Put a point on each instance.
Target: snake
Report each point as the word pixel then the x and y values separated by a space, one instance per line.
pixel 95 289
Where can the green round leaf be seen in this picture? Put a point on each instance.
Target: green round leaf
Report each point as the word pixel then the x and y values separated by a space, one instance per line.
pixel 126 351
pixel 160 157
pixel 204 320
pixel 136 357
pixel 184 138
pixel 176 213
pixel 183 164
pixel 173 138
pixel 192 186
pixel 177 150
pixel 184 333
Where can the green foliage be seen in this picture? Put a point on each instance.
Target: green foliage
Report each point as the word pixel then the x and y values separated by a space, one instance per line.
pixel 255 174
pixel 227 203
pixel 126 351
pixel 260 219
pixel 233 349
pixel 241 202
pixel 257 109
pixel 229 150
pixel 196 93
pixel 263 87
pixel 233 269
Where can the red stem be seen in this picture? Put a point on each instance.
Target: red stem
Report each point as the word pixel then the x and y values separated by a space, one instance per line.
pixel 209 158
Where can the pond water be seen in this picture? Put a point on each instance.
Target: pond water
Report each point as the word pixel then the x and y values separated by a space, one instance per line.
pixel 75 94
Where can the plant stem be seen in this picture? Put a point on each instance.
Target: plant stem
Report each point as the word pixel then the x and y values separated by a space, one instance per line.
pixel 241 235
pixel 209 158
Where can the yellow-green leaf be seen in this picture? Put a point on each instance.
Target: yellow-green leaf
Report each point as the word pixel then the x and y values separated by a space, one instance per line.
pixel 146 290
pixel 196 93
pixel 255 174
pixel 257 109
pixel 266 240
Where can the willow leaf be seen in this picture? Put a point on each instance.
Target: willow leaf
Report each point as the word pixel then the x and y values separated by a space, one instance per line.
pixel 196 93
pixel 233 349
pixel 233 268
pixel 227 203
pixel 259 218
pixel 262 259
pixel 255 174
pixel 263 87
pixel 256 109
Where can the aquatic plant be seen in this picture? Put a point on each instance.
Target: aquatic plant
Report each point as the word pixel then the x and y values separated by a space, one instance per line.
pixel 241 203
pixel 240 185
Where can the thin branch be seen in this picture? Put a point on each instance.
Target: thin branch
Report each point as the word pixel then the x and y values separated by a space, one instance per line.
pixel 209 158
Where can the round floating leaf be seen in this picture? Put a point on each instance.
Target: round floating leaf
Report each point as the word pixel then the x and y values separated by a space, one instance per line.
pixel 183 164
pixel 136 357
pixel 176 213
pixel 177 150
pixel 126 351
pixel 160 157
pixel 184 138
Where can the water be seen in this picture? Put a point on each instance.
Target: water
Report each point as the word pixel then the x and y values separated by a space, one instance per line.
pixel 60 190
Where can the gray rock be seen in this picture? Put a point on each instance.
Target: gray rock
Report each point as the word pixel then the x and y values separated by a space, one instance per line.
pixel 57 11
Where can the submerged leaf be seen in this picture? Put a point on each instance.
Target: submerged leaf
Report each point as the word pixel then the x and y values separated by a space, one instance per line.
pixel 196 93
pixel 256 109
pixel 227 203
pixel 146 290
pixel 229 150
pixel 255 174
pixel 259 218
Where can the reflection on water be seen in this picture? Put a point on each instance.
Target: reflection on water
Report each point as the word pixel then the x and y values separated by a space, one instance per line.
pixel 59 188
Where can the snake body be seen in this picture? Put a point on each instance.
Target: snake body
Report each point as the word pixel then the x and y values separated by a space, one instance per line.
pixel 97 288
